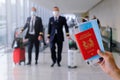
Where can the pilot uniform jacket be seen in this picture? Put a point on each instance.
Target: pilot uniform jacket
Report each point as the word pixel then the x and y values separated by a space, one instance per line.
pixel 55 27
pixel 38 27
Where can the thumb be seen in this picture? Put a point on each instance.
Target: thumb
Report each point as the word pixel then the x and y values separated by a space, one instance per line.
pixel 100 53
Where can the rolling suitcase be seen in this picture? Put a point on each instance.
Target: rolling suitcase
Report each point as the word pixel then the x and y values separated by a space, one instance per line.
pixel 19 48
pixel 72 54
pixel 19 55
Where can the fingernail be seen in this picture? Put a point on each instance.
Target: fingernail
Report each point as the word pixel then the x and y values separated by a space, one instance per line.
pixel 101 59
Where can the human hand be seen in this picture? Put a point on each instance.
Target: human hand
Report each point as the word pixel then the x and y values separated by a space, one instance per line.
pixel 18 33
pixel 48 40
pixel 68 37
pixel 39 38
pixel 108 65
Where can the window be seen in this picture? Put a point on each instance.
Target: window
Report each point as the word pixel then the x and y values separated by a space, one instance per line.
pixel 14 14
pixel 20 13
pixel 27 9
pixel 13 23
pixel 2 23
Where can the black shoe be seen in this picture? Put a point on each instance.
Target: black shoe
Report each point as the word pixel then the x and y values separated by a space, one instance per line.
pixel 59 65
pixel 52 64
pixel 45 44
pixel 36 63
pixel 28 63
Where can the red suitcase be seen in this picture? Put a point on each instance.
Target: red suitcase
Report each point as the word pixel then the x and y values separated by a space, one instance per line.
pixel 19 55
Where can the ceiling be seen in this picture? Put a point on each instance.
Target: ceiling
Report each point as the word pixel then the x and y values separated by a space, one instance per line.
pixel 69 6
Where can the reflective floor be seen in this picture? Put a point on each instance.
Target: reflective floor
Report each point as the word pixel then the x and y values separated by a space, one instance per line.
pixel 43 71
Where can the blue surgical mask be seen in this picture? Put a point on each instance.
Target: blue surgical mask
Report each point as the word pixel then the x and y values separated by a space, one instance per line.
pixel 33 13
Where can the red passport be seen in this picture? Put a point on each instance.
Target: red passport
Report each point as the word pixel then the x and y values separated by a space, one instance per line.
pixel 87 43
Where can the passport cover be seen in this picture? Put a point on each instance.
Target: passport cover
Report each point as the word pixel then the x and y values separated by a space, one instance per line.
pixel 87 43
pixel 95 38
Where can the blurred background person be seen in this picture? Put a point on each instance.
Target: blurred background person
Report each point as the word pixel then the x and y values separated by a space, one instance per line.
pixel 98 21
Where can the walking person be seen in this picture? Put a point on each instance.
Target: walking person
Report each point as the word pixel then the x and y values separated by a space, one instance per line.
pixel 56 35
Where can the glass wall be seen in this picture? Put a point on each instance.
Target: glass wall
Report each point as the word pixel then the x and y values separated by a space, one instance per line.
pixel 13 19
pixel 14 14
pixel 26 9
pixel 2 23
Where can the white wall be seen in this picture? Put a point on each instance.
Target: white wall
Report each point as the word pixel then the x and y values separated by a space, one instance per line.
pixel 109 14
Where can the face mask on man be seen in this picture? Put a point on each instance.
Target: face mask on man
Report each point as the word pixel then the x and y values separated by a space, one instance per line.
pixel 33 13
pixel 55 13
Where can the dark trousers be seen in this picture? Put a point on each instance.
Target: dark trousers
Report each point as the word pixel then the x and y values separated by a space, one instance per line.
pixel 56 57
pixel 33 41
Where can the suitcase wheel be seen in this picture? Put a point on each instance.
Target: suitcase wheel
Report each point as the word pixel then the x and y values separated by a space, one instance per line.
pixel 21 62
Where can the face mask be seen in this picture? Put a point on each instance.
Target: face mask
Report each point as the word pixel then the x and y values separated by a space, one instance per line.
pixel 55 13
pixel 33 13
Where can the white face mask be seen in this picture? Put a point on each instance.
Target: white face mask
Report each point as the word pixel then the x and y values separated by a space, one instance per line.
pixel 33 13
pixel 55 13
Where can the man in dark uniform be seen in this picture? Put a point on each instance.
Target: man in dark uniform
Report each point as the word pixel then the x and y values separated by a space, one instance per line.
pixel 56 36
pixel 34 34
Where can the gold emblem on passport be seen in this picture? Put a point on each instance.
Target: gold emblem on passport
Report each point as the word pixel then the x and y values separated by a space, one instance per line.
pixel 88 43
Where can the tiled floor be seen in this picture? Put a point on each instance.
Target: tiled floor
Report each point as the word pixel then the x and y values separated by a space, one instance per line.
pixel 43 71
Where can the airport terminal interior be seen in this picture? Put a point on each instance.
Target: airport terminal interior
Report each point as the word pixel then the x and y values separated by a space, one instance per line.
pixel 13 16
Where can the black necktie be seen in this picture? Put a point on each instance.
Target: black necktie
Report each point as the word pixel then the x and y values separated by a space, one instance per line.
pixel 56 24
pixel 55 18
pixel 32 26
